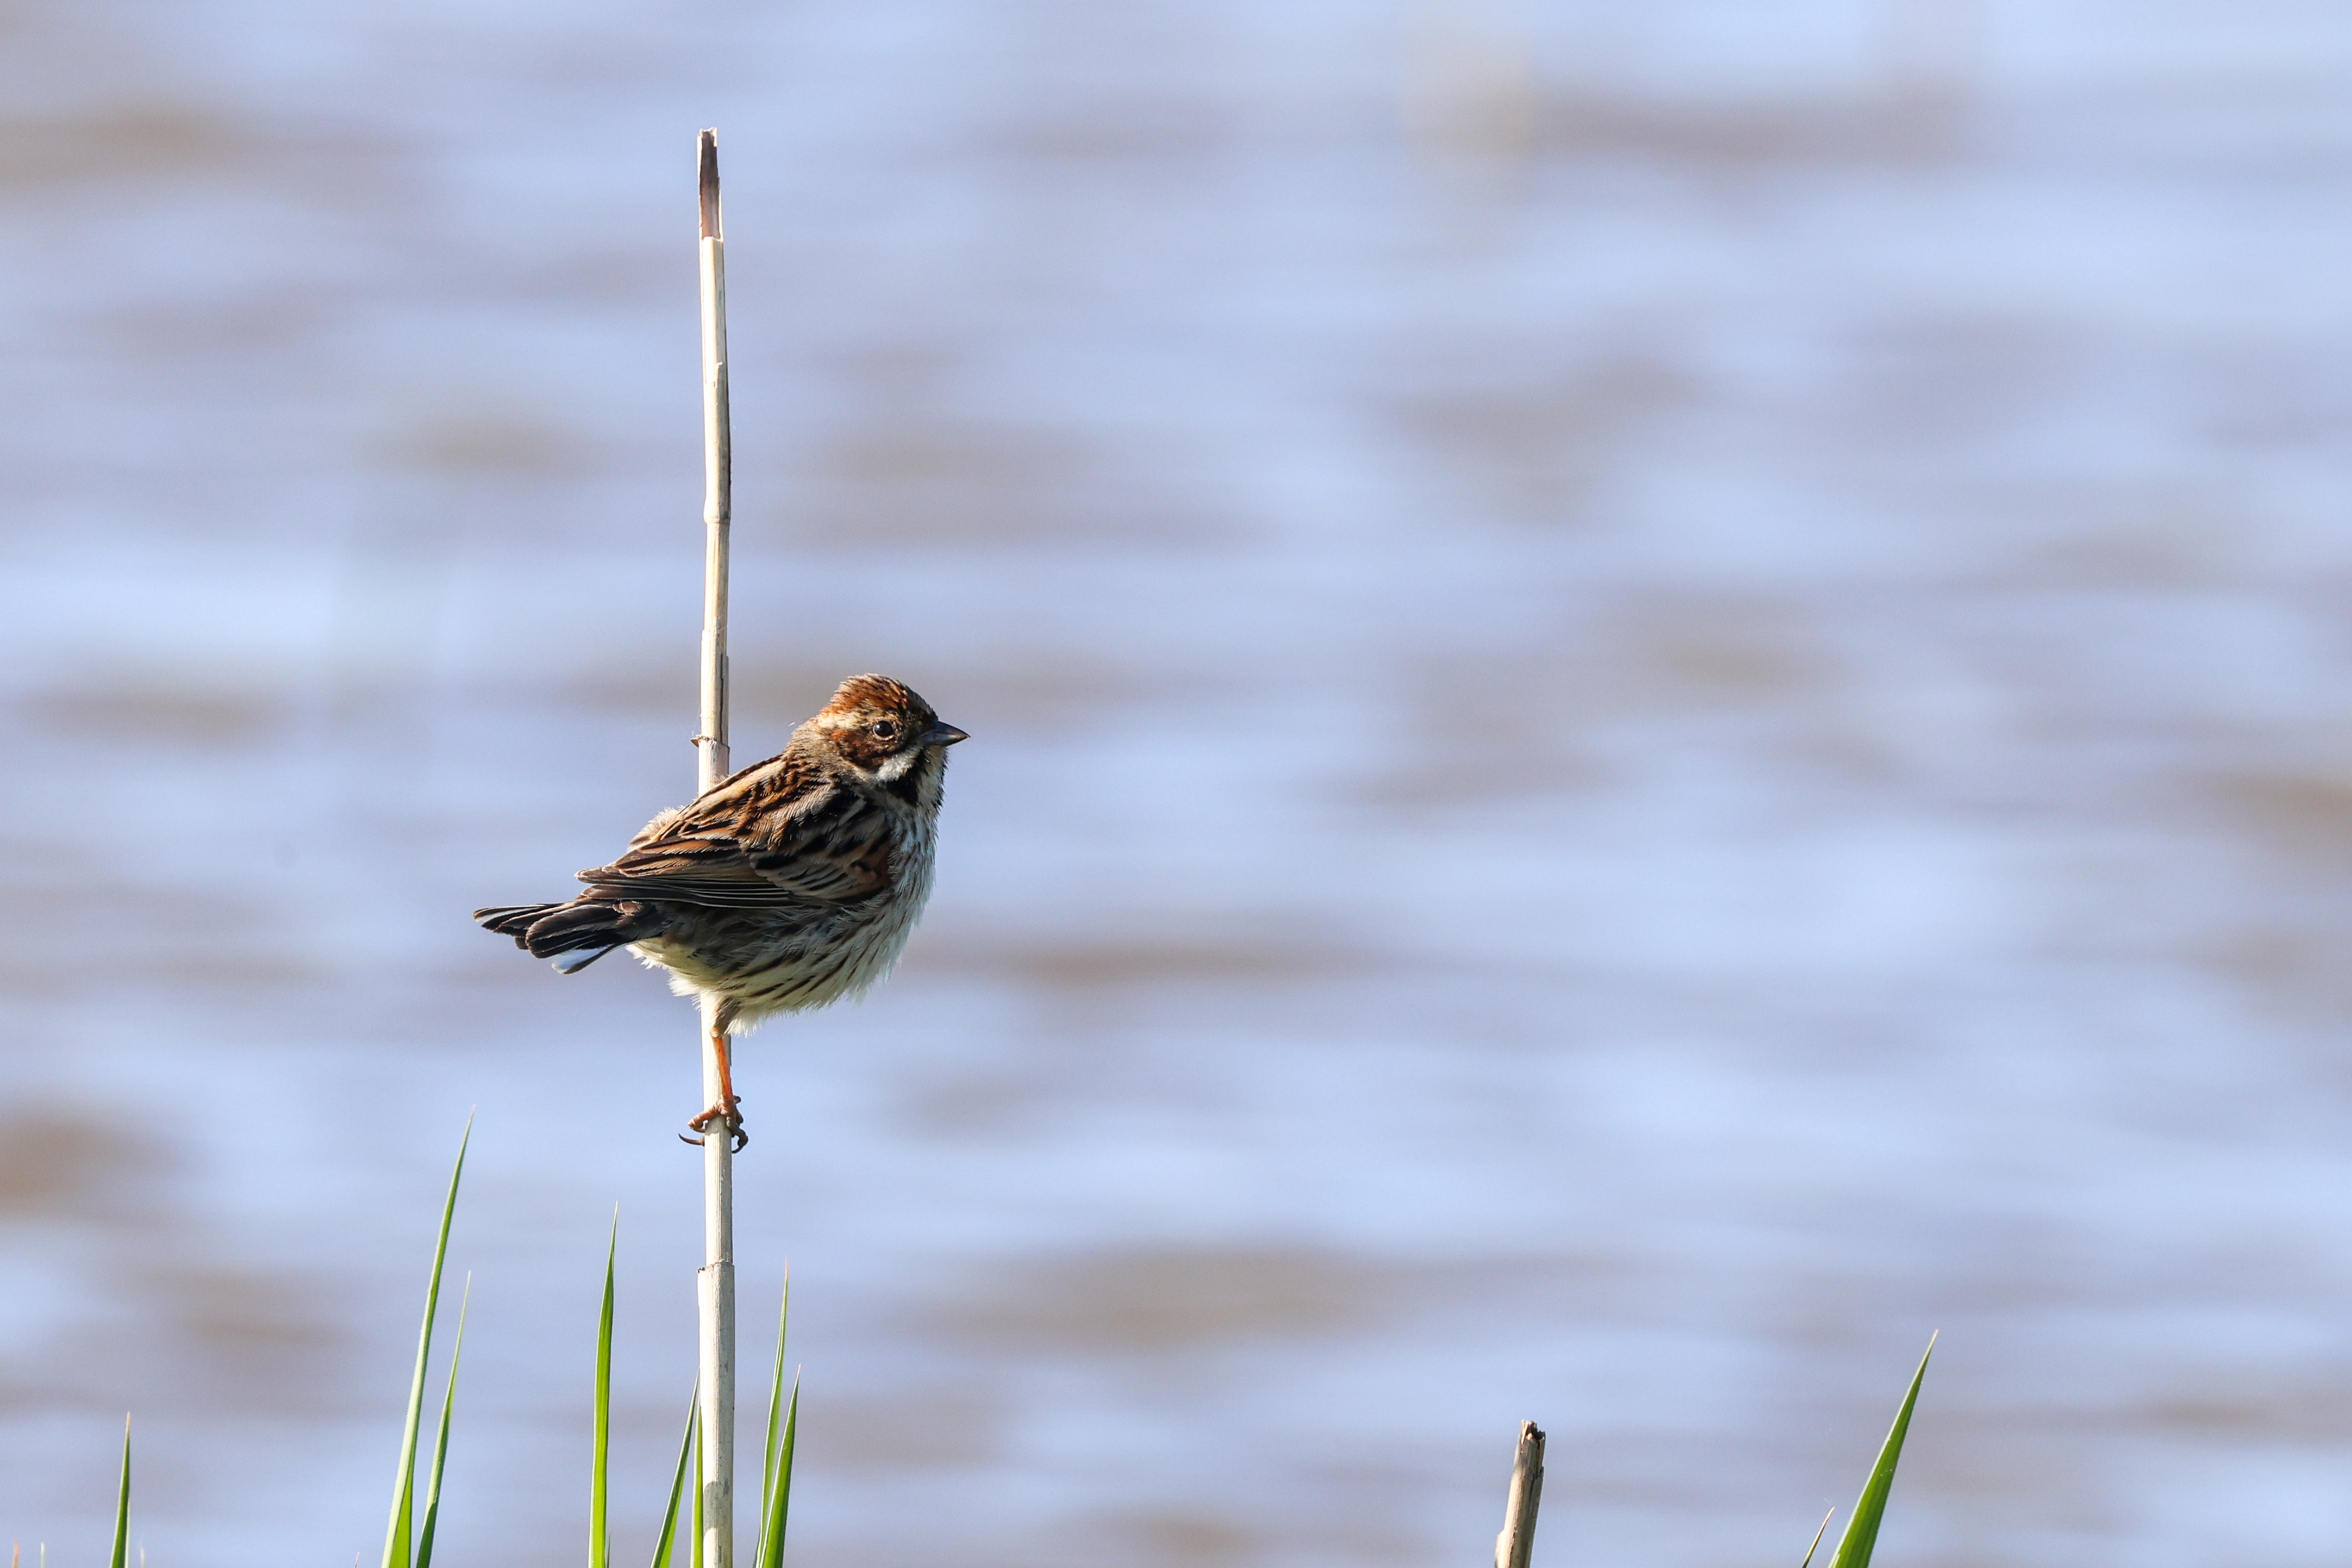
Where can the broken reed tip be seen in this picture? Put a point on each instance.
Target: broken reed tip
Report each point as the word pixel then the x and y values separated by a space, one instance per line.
pixel 1515 1547
pixel 706 158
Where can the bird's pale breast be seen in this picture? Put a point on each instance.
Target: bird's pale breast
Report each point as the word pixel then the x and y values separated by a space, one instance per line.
pixel 807 953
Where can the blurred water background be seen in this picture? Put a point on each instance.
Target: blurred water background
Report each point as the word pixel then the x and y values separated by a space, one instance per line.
pixel 1661 697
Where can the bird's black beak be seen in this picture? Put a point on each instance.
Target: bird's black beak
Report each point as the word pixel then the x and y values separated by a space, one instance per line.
pixel 943 735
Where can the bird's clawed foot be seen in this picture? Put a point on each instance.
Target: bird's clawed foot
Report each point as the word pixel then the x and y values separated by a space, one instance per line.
pixel 723 1111
pixel 726 1115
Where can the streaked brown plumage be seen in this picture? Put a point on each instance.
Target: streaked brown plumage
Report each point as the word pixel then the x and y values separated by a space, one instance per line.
pixel 792 884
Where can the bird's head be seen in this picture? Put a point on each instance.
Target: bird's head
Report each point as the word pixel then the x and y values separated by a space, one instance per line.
pixel 879 727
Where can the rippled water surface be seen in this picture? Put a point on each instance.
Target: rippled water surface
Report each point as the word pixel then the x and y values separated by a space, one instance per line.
pixel 1659 699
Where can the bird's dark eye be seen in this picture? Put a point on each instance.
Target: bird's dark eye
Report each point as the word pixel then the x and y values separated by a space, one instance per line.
pixel 885 729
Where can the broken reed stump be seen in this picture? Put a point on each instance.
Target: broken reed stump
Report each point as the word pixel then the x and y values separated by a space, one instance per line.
pixel 1516 1545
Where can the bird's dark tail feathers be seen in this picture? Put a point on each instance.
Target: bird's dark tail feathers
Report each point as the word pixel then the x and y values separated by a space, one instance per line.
pixel 574 934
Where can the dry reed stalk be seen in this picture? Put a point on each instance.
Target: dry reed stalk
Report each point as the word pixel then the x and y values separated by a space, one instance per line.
pixel 715 1284
pixel 1516 1545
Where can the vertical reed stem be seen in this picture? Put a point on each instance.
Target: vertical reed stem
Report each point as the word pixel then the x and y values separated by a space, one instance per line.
pixel 715 1285
pixel 1516 1545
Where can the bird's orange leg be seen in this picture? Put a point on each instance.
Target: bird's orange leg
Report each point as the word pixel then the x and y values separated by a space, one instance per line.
pixel 724 1110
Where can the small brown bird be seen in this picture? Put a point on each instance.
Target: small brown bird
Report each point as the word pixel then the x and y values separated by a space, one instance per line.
pixel 791 885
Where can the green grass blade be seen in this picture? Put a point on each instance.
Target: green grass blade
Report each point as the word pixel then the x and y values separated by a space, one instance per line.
pixel 600 1553
pixel 697 1559
pixel 397 1542
pixel 1816 1546
pixel 771 1523
pixel 1860 1537
pixel 441 1436
pixel 775 1403
pixel 669 1540
pixel 122 1502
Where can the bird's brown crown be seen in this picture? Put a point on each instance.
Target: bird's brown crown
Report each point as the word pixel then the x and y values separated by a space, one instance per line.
pixel 862 694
